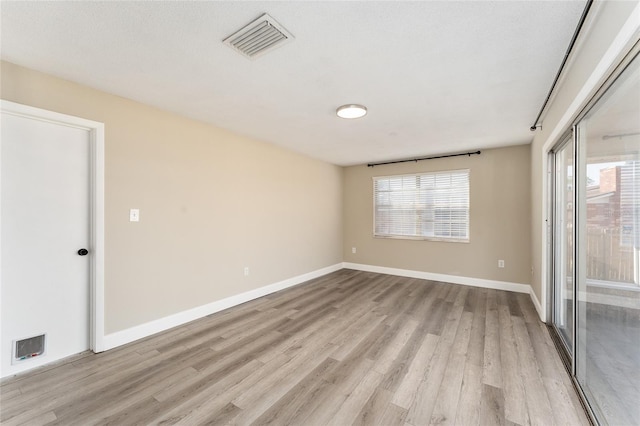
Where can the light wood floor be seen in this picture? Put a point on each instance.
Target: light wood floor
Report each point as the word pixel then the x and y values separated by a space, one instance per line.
pixel 348 348
pixel 612 377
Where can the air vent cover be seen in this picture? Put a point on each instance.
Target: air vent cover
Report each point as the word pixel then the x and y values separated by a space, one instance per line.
pixel 260 36
pixel 28 348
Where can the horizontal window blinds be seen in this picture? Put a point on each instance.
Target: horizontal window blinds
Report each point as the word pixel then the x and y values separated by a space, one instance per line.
pixel 422 206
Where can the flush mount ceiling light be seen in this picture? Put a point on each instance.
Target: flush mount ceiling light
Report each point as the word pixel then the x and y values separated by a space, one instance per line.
pixel 351 111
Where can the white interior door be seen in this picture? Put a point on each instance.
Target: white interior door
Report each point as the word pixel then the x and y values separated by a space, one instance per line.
pixel 45 200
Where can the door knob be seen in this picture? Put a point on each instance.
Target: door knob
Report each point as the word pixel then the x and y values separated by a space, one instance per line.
pixel 83 252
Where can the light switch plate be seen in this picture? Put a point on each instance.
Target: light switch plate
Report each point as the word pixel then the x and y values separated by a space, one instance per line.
pixel 134 215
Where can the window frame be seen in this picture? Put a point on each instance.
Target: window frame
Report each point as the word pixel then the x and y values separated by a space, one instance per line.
pixel 421 237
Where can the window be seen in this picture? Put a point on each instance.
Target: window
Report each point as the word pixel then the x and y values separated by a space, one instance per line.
pixel 429 206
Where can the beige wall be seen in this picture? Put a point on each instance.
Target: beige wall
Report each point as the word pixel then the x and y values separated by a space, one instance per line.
pixel 499 219
pixel 211 202
pixel 605 22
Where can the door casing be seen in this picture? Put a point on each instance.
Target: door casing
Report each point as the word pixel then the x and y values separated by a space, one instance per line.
pixel 96 208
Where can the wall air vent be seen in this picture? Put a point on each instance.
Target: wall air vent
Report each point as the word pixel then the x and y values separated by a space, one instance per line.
pixel 28 348
pixel 259 37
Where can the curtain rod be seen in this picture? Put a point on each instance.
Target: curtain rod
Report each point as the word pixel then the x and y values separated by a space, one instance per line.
pixel 424 158
pixel 564 62
pixel 619 136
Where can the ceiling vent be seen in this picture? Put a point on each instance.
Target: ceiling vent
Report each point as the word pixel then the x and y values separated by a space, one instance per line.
pixel 259 37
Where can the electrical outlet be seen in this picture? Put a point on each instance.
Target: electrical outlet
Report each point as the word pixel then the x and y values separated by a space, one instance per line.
pixel 500 263
pixel 353 250
pixel 246 271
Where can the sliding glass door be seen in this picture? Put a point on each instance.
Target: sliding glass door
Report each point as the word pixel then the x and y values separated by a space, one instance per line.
pixel 608 332
pixel 596 264
pixel 563 241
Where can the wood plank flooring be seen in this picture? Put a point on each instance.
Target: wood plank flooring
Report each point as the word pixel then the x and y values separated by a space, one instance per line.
pixel 347 348
pixel 612 377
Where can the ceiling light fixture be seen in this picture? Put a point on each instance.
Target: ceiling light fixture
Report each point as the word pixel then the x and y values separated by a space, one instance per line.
pixel 351 111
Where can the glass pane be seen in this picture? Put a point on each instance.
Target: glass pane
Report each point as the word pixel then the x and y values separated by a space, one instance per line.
pixel 564 218
pixel 608 331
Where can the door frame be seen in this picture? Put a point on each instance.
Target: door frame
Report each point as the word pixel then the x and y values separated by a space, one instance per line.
pixel 96 207
pixel 568 138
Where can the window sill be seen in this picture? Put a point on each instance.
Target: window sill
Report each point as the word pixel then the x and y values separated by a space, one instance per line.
pixel 435 239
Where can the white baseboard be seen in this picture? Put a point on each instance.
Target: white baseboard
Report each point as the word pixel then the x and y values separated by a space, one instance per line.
pixel 129 335
pixel 536 303
pixel 475 282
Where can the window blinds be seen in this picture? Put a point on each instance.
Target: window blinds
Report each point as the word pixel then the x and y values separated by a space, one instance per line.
pixel 422 206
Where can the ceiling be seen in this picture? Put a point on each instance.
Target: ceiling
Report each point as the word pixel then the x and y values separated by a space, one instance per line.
pixel 437 77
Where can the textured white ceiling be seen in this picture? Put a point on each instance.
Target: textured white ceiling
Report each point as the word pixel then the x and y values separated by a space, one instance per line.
pixel 437 77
